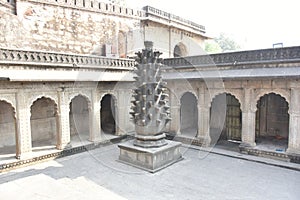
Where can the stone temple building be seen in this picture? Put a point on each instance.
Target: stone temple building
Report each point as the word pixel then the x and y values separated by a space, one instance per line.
pixel 66 78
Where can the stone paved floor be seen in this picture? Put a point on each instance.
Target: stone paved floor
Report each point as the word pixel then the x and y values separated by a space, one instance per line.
pixel 97 175
pixel 7 154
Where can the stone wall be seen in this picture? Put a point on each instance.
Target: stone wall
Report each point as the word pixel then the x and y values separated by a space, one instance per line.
pixel 166 38
pixel 88 27
pixel 13 33
pixel 65 27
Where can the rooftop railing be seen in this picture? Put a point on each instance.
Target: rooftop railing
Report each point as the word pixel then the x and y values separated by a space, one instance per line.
pixel 154 11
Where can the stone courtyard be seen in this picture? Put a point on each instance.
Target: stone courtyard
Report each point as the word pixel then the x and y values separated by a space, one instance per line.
pixel 66 88
pixel 96 175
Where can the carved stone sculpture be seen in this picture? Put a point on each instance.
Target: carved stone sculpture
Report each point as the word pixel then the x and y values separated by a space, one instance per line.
pixel 150 111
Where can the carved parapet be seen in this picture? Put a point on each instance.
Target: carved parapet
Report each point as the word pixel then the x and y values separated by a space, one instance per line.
pixel 21 57
pixel 234 59
pixel 95 6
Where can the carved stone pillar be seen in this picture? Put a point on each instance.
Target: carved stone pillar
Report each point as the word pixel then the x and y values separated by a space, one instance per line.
pixel 175 115
pixel 122 113
pixel 24 145
pixel 203 120
pixel 248 129
pixel 203 125
pixel 294 124
pixel 63 121
pixel 118 111
pixel 248 120
pixel 94 117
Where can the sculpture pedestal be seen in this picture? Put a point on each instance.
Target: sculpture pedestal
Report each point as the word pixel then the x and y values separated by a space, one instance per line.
pixel 150 159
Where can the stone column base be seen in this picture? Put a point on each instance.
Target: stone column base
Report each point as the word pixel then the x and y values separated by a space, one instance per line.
pixel 205 140
pixel 248 145
pixel 294 155
pixel 95 137
pixel 245 146
pixel 24 156
pixel 150 159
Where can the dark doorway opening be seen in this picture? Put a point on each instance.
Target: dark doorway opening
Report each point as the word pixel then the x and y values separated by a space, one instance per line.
pixel 43 122
pixel 225 121
pixel 108 123
pixel 7 129
pixel 272 123
pixel 188 115
pixel 79 119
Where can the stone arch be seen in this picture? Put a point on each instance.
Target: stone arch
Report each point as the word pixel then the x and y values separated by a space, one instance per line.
pixel 272 121
pixel 11 102
pixel 44 123
pixel 233 93
pixel 36 97
pixel 8 129
pixel 108 113
pixel 225 118
pixel 79 118
pixel 189 114
pixel 180 50
pixel 184 92
pixel 86 96
pixel 283 93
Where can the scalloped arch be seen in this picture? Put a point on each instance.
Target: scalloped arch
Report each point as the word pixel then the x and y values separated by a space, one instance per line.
pixel 282 93
pixel 8 101
pixel 234 94
pixel 37 97
pixel 111 94
pixel 11 104
pixel 74 95
pixel 180 49
pixel 186 92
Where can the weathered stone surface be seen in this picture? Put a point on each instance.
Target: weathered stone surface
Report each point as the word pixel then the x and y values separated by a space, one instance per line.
pixel 101 29
pixel 150 159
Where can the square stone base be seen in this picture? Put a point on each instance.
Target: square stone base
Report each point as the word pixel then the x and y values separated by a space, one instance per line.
pixel 150 159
